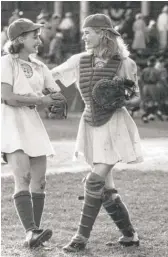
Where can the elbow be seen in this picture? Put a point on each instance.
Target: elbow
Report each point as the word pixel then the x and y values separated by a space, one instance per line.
pixel 7 96
pixel 8 100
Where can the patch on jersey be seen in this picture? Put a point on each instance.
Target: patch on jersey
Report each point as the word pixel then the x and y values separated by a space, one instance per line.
pixel 27 69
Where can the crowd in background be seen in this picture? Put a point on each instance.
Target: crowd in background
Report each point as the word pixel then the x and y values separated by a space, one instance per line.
pixel 60 38
pixel 139 32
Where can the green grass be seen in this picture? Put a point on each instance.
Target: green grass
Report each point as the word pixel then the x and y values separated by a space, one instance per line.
pixel 144 193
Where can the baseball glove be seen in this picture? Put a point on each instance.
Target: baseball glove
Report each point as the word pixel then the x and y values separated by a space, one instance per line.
pixel 111 94
pixel 59 109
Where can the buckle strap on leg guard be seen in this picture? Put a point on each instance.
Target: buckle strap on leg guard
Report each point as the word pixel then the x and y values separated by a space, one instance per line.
pixel 94 187
pixel 119 213
pixel 107 194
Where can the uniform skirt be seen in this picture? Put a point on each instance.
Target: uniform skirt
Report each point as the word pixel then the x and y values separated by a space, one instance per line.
pixel 22 129
pixel 116 141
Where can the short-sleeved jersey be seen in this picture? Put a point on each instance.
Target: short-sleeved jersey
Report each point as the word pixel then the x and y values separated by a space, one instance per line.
pixel 26 77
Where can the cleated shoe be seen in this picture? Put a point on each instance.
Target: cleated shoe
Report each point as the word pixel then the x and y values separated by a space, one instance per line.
pixel 129 241
pixel 36 237
pixel 74 247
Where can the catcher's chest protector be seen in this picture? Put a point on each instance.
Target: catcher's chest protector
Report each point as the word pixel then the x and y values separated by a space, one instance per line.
pixel 89 75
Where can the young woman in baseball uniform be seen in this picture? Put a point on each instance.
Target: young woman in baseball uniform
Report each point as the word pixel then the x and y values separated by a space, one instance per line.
pixel 105 137
pixel 25 142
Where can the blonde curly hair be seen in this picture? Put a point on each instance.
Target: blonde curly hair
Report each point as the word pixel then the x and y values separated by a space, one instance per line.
pixel 111 44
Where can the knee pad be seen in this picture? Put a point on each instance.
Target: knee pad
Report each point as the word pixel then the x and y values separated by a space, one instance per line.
pixel 94 184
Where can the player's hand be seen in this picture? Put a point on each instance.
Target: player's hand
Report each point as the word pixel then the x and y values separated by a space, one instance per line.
pixel 47 100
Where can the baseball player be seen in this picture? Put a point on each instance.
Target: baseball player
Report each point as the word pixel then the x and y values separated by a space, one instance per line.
pixel 25 142
pixel 106 135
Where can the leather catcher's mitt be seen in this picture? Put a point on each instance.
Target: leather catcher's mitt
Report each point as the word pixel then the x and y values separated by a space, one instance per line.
pixel 110 94
pixel 59 109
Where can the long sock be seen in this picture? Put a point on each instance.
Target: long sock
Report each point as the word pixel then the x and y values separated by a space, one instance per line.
pixel 23 204
pixel 92 203
pixel 118 212
pixel 38 205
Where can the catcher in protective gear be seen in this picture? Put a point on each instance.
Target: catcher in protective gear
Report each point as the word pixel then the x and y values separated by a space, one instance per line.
pixel 111 94
pixel 58 110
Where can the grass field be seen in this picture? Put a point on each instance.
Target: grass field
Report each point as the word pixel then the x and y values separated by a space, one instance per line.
pixel 67 129
pixel 144 193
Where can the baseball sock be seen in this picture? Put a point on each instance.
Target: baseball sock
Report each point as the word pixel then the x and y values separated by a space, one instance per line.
pixel 23 205
pixel 38 205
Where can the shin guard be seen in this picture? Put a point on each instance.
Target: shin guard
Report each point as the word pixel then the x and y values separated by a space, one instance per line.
pixel 94 186
pixel 118 212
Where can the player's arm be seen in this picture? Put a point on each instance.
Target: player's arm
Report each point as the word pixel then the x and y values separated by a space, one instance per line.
pixel 9 98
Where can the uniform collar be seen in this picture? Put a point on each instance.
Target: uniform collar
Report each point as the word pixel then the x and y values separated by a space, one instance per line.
pixel 32 59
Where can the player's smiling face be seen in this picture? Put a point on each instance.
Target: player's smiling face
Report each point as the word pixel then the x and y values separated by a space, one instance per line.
pixel 31 41
pixel 91 38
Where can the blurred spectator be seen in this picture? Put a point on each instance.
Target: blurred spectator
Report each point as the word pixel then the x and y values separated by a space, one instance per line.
pixel 69 30
pixel 16 14
pixel 162 25
pixel 55 22
pixel 152 35
pixel 139 29
pixel 162 86
pixel 160 63
pixel 105 11
pixel 46 33
pixel 55 49
pixel 42 17
pixel 149 80
pixel 165 107
pixel 116 14
pixel 125 28
pixel 4 37
pixel 68 27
